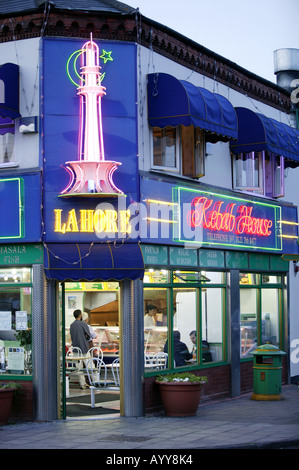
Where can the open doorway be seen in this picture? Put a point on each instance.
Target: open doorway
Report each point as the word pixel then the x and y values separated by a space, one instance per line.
pixel 99 303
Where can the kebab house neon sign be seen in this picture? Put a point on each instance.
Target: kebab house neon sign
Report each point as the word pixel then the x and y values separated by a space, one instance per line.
pixel 224 220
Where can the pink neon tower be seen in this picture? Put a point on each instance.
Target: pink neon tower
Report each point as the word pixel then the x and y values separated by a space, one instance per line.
pixel 91 174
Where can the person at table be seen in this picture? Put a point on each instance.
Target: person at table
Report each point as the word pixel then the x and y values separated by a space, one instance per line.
pixel 80 334
pixel 180 351
pixel 192 335
pixel 150 316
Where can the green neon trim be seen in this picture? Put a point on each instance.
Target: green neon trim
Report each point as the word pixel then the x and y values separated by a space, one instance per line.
pixel 21 209
pixel 67 66
pixel 106 56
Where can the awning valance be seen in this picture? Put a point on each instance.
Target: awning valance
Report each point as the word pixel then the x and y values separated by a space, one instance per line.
pixel 95 261
pixel 173 102
pixel 9 91
pixel 258 132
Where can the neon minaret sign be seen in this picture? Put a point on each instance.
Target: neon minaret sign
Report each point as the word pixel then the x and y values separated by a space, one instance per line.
pixel 91 174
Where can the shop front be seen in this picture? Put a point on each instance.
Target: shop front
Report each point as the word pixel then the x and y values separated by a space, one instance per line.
pixel 218 279
pixel 92 258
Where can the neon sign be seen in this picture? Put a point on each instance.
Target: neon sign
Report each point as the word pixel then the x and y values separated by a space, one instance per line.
pixel 212 219
pixel 91 174
pixel 90 221
pixel 225 221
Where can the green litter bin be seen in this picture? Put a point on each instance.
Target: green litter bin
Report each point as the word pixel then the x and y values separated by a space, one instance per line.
pixel 267 372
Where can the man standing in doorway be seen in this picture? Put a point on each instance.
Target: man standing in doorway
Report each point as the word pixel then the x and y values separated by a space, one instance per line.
pixel 79 331
pixel 80 337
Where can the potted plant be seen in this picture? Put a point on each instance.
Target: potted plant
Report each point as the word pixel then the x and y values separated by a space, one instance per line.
pixel 180 392
pixel 7 392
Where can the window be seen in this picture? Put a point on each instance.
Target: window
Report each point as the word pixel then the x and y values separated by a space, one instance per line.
pixel 165 148
pixel 15 321
pixel 259 172
pixel 184 317
pixel 261 310
pixel 7 142
pixel 180 150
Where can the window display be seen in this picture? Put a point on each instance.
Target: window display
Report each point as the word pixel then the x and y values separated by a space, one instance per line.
pixel 15 322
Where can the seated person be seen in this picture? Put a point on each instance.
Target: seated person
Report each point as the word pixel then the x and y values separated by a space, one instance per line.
pixel 150 317
pixel 180 350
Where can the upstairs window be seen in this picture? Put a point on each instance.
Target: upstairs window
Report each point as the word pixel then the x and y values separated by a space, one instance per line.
pixel 7 143
pixel 180 150
pixel 260 173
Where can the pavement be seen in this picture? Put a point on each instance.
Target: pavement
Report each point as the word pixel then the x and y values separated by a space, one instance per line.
pixel 238 423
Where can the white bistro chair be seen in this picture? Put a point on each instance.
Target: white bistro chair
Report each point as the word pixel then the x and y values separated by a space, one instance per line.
pixel 160 360
pixel 73 367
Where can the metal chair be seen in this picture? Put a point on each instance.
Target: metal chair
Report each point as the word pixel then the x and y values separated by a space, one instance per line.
pixel 94 372
pixel 115 371
pixel 73 368
pixel 160 360
pixel 95 352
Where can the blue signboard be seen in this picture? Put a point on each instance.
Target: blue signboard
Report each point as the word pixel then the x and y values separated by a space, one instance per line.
pixel 213 219
pixel 86 200
pixel 189 217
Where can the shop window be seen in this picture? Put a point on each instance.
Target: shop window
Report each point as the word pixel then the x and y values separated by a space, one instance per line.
pixel 190 311
pixel 260 173
pixel 184 323
pixel 7 143
pixel 261 309
pixel 181 150
pixel 155 327
pixel 156 276
pixel 212 314
pixel 15 330
pixel 248 311
pixel 270 316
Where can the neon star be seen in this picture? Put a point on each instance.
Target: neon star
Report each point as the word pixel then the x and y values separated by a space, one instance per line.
pixel 106 56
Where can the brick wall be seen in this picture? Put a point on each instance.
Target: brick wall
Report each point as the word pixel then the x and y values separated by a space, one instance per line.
pixel 218 386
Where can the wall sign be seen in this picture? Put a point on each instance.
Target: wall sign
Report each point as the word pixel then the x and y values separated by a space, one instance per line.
pixel 89 141
pixel 208 218
pixel 91 174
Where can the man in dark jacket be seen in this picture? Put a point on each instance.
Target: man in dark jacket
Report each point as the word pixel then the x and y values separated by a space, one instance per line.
pixel 180 350
pixel 79 331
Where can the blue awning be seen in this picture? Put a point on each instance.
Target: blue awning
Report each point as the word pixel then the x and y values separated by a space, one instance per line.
pixel 173 102
pixel 258 132
pixel 9 91
pixel 94 261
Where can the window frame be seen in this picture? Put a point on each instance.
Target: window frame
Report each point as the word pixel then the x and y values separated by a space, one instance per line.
pixel 267 174
pixel 178 283
pixel 11 146
pixel 176 167
pixel 190 152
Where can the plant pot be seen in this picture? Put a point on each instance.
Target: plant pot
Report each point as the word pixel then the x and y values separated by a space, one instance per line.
pixel 180 398
pixel 6 397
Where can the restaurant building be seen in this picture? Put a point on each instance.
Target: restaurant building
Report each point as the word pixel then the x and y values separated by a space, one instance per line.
pixel 139 170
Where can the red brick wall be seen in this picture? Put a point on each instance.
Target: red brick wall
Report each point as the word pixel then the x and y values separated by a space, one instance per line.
pixel 218 386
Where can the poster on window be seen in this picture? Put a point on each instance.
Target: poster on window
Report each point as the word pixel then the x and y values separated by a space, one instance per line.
pixel 16 360
pixel 5 321
pixel 21 321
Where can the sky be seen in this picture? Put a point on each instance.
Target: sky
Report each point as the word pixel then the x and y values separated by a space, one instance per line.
pixel 246 32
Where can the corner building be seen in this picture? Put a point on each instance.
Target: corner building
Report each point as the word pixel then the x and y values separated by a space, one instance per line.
pixel 137 172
